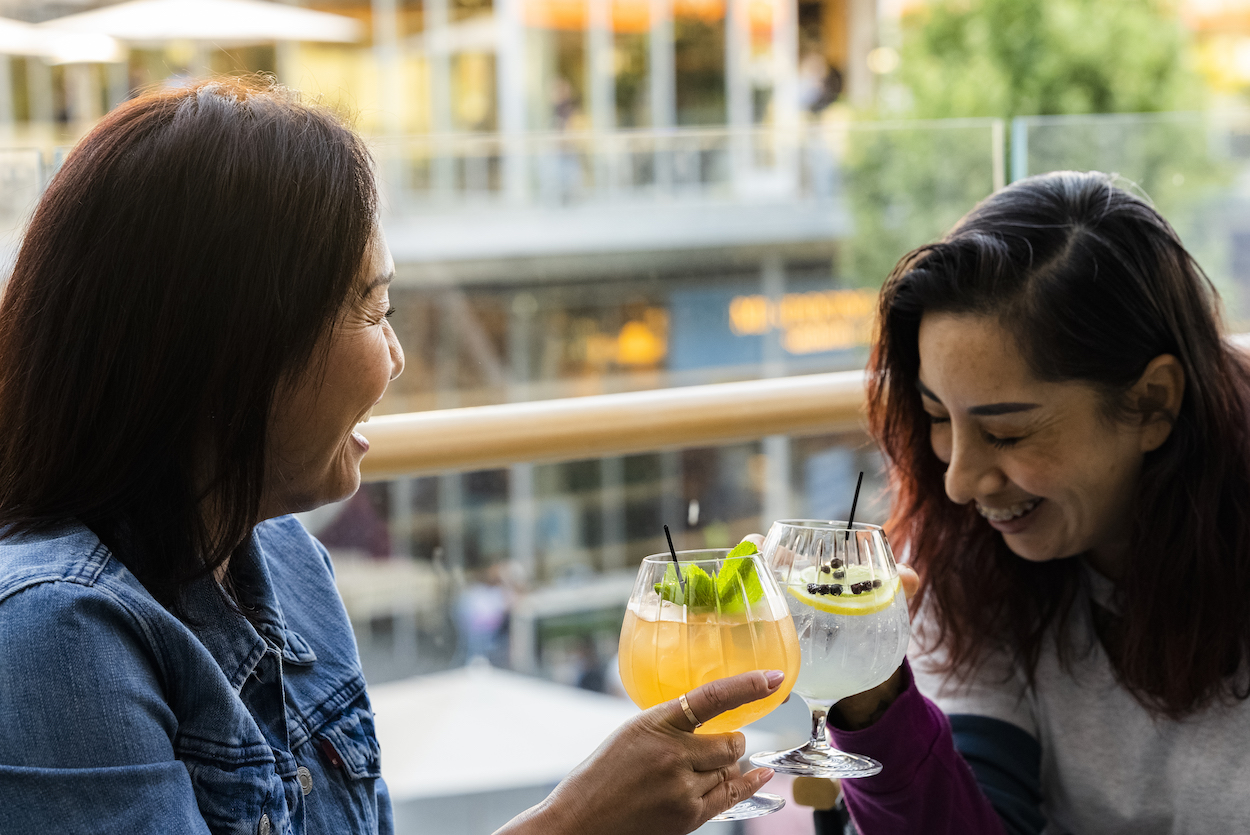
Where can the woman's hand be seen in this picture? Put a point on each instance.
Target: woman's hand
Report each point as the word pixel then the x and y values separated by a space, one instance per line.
pixel 654 776
pixel 863 709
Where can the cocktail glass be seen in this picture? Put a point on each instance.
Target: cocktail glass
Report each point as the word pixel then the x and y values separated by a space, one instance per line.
pixel 726 615
pixel 850 613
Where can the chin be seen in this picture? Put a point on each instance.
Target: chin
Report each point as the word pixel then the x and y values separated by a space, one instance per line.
pixel 1033 552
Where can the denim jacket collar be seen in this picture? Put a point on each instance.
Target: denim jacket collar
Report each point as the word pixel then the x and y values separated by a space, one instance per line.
pixel 235 644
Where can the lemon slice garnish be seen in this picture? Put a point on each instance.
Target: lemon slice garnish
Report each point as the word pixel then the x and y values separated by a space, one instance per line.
pixel 847 603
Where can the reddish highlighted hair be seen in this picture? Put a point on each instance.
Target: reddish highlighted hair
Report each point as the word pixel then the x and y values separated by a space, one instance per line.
pixel 1094 284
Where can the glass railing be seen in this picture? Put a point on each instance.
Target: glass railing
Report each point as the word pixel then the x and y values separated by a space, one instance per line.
pixel 21 183
pixel 598 275
pixel 1194 167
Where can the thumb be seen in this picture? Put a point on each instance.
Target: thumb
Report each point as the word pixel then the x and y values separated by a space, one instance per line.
pixel 910 580
pixel 714 698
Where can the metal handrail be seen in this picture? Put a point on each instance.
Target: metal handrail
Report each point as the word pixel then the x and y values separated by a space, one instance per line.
pixel 577 428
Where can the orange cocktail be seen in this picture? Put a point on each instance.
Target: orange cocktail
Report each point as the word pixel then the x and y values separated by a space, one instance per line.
pixel 662 658
pixel 706 615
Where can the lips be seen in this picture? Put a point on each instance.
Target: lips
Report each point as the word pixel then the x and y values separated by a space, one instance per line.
pixel 1006 514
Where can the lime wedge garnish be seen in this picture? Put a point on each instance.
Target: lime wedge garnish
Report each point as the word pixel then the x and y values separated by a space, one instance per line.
pixel 738 583
pixel 697 589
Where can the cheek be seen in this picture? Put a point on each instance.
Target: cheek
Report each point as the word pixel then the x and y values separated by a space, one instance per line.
pixel 940 440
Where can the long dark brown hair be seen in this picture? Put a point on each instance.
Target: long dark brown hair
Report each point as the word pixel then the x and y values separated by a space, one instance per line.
pixel 188 256
pixel 1093 284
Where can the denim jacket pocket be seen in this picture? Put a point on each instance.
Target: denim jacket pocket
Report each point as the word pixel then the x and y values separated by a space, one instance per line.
pixel 350 743
pixel 344 760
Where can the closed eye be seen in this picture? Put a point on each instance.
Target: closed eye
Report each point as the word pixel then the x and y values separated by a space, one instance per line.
pixel 1001 443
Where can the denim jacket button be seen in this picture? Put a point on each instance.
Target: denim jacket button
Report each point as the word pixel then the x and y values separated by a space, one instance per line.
pixel 305 779
pixel 263 829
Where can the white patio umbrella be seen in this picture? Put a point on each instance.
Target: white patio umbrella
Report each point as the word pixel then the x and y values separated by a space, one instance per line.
pixel 221 22
pixel 481 729
pixel 18 38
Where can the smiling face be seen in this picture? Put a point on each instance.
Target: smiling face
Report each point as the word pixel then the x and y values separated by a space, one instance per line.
pixel 314 450
pixel 1041 461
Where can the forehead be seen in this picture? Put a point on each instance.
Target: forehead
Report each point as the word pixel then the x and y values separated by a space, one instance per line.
pixel 969 359
pixel 377 268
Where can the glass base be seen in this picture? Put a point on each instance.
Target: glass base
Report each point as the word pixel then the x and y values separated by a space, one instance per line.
pixel 757 805
pixel 810 761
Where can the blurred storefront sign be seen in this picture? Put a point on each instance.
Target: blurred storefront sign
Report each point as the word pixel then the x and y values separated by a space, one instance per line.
pixel 809 322
pixel 716 327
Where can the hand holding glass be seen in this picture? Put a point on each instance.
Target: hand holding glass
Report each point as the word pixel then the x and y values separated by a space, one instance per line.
pixel 712 618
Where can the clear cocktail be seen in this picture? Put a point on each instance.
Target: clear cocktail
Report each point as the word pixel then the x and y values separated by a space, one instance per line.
pixel 850 614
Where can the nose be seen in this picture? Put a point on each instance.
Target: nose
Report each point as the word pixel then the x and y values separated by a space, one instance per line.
pixel 972 472
pixel 397 352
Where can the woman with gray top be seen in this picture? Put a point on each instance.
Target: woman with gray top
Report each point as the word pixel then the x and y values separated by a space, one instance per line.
pixel 1068 441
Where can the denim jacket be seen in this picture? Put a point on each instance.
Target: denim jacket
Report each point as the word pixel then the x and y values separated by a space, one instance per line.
pixel 117 717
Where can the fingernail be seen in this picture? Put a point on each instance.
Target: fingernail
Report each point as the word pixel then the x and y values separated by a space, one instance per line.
pixel 774 677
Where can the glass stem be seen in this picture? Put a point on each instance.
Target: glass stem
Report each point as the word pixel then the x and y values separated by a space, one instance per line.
pixel 820 739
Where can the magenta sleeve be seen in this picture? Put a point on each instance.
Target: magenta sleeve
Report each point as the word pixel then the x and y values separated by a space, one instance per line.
pixel 925 785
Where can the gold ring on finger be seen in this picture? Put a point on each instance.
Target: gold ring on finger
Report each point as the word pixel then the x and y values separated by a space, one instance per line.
pixel 685 708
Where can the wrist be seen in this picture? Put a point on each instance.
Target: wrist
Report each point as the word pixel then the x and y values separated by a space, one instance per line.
pixel 546 818
pixel 854 713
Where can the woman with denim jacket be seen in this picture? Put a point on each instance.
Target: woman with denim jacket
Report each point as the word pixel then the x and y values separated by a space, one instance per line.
pixel 195 324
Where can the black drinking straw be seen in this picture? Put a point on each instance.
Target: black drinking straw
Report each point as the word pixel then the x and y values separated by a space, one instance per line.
pixel 850 522
pixel 676 565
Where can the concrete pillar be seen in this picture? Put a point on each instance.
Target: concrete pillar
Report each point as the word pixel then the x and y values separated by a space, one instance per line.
pixel 118 82
pixel 662 87
pixel 286 61
pixel 787 124
pixel 776 447
pixel 601 88
pixel 510 73
pixel 672 493
pixel 401 503
pixel 82 94
pixel 6 93
pixel 773 288
pixel 451 521
pixel 612 507
pixel 522 520
pixel 439 55
pixel 39 91
pixel 776 479
pixel 386 54
pixel 861 38
pixel 738 116
pixel 522 514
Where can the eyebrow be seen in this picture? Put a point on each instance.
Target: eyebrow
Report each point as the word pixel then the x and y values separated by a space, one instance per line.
pixel 380 281
pixel 987 410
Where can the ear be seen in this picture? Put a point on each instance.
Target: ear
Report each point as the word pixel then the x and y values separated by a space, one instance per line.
pixel 1157 396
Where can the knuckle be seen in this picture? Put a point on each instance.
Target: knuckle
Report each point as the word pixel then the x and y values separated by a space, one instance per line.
pixel 736 792
pixel 717 693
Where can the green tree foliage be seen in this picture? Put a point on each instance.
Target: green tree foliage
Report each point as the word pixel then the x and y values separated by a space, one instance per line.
pixel 1006 58
pixel 1036 57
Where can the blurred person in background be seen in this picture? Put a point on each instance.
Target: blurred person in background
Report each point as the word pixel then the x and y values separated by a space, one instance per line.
pixel 1068 442
pixel 195 325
